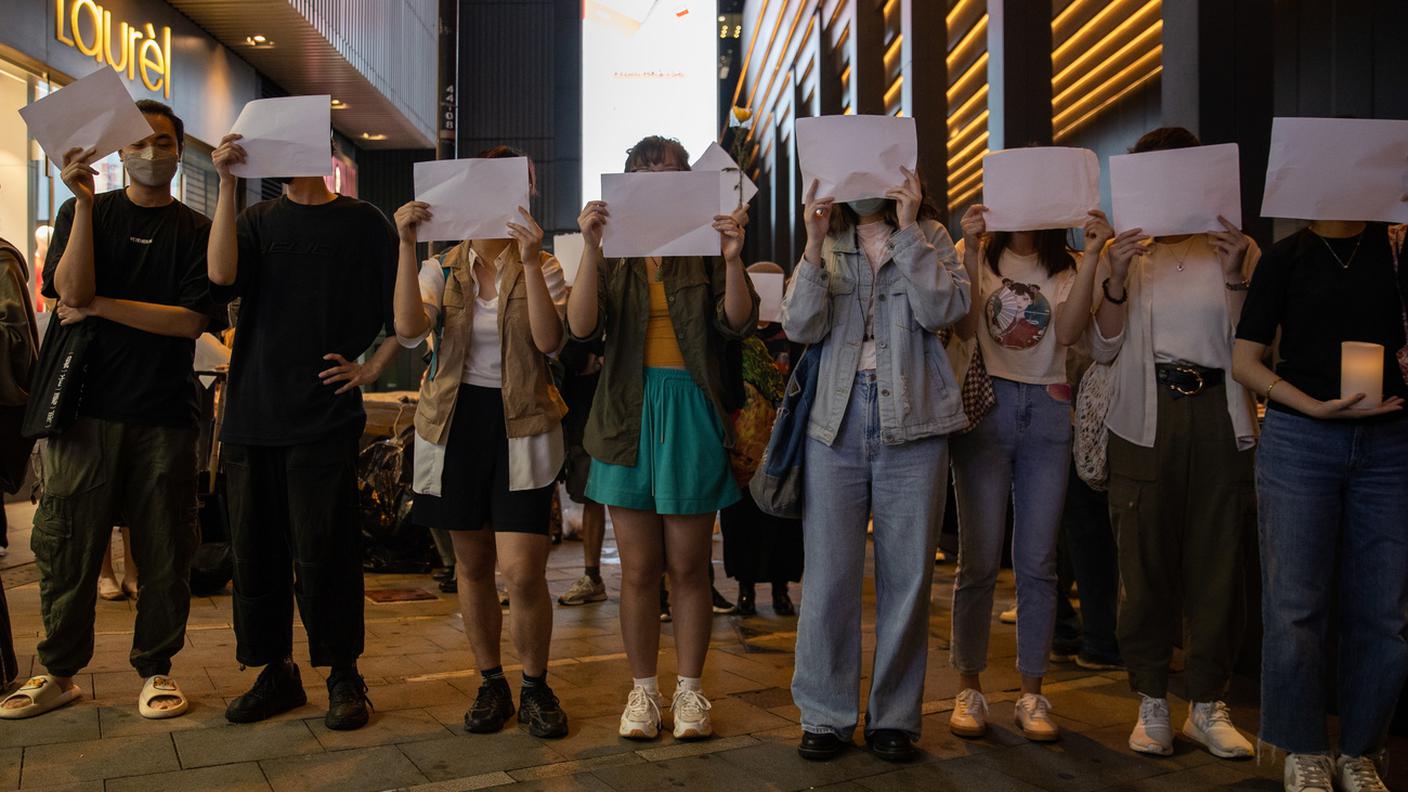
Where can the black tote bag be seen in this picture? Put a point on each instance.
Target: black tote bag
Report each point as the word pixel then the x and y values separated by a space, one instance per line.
pixel 57 387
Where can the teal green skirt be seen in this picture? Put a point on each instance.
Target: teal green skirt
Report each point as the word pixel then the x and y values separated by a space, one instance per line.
pixel 681 465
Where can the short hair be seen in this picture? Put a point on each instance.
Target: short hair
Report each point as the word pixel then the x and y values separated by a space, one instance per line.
pixel 503 152
pixel 653 150
pixel 153 107
pixel 1165 138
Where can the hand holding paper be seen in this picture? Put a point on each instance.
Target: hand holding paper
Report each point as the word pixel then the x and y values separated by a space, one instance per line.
pixel 471 198
pixel 1337 169
pixel 1180 191
pixel 288 136
pixel 95 112
pixel 853 157
pixel 1029 189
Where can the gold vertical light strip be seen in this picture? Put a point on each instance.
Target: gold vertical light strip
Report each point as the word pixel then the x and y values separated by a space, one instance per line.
pixel 1100 55
pixel 748 56
pixel 967 124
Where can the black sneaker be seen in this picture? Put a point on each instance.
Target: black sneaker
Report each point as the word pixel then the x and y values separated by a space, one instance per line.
pixel 279 688
pixel 540 713
pixel 492 708
pixel 348 705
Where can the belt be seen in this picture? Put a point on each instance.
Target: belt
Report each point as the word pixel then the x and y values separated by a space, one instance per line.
pixel 1186 379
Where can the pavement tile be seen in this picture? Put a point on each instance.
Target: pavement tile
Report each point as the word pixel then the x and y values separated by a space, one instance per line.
pixel 472 754
pixel 575 767
pixel 125 721
pixel 244 777
pixel 92 760
pixel 1071 764
pixel 10 767
pixel 496 780
pixel 245 742
pixel 75 723
pixel 681 749
pixel 778 762
pixel 385 728
pixel 582 782
pixel 358 770
pixel 692 772
pixel 959 775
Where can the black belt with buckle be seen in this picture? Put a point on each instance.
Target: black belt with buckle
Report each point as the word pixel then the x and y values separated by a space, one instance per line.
pixel 1186 379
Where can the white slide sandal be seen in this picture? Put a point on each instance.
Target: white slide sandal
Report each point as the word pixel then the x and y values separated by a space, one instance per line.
pixel 42 693
pixel 158 687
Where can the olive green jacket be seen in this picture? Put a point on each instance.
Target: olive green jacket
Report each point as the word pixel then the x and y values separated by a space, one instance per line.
pixel 694 289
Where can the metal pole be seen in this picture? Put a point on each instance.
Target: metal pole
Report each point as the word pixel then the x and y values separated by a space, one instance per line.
pixel 447 134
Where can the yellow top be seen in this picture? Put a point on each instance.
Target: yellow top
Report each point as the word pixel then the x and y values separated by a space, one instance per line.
pixel 662 348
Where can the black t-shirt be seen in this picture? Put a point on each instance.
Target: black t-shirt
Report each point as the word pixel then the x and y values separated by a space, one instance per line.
pixel 313 280
pixel 1301 288
pixel 154 255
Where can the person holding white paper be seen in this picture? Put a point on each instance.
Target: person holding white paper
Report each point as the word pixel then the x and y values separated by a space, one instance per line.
pixel 1020 324
pixel 314 272
pixel 1180 460
pixel 489 440
pixel 1331 484
pixel 127 267
pixel 879 278
pixel 658 431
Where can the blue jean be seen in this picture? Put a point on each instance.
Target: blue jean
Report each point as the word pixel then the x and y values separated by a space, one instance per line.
pixel 1326 489
pixel 902 488
pixel 1019 454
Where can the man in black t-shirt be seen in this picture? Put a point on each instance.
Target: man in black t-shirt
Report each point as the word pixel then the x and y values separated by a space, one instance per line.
pixel 314 272
pixel 130 266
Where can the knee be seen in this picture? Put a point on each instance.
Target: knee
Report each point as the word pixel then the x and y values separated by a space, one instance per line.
pixel 474 567
pixel 522 576
pixel 686 572
pixel 641 575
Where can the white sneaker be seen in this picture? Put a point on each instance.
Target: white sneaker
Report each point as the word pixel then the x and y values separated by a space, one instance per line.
pixel 1358 774
pixel 584 590
pixel 1309 773
pixel 1210 723
pixel 1033 714
pixel 1008 616
pixel 691 711
pixel 641 719
pixel 1153 734
pixel 970 714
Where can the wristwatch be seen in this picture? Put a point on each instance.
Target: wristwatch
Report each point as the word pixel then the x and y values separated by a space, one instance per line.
pixel 1241 285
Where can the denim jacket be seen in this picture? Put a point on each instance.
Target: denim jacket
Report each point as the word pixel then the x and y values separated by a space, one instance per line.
pixel 920 289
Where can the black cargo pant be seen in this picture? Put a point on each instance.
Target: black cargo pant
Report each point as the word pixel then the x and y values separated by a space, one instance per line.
pixel 95 473
pixel 294 533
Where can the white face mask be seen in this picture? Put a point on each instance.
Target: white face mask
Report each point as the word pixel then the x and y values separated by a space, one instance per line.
pixel 866 206
pixel 151 168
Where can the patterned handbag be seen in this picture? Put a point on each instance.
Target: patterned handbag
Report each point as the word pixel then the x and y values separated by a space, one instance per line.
pixel 1091 436
pixel 975 389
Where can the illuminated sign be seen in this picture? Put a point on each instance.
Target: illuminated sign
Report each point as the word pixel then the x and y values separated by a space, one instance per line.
pixel 88 27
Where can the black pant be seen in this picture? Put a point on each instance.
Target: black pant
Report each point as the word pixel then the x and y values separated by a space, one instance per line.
pixel 1088 549
pixel 294 533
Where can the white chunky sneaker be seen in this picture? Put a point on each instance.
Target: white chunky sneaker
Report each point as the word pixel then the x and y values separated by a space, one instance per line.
pixel 970 714
pixel 1033 714
pixel 584 590
pixel 1209 723
pixel 1309 773
pixel 691 711
pixel 1153 734
pixel 1358 774
pixel 641 719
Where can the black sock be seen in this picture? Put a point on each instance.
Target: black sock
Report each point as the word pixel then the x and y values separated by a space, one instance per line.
pixel 535 681
pixel 593 572
pixel 495 674
pixel 341 670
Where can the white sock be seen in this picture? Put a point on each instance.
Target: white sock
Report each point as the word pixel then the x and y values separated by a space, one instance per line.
pixel 651 685
pixel 688 683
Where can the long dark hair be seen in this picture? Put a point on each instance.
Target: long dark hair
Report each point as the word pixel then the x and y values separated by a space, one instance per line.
pixel 844 218
pixel 1051 250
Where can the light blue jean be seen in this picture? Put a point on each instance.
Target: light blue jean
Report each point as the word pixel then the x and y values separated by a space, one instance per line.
pixel 845 484
pixel 1327 489
pixel 1019 454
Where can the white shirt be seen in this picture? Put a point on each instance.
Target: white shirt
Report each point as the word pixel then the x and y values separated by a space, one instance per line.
pixel 533 461
pixel 1186 302
pixel 874 241
pixel 1017 313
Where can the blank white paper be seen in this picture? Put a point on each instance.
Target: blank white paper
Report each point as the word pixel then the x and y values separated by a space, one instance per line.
pixel 568 250
pixel 1337 169
pixel 93 112
pixel 287 136
pixel 769 288
pixel 735 188
pixel 1180 191
pixel 1028 189
pixel 853 157
pixel 471 198
pixel 668 213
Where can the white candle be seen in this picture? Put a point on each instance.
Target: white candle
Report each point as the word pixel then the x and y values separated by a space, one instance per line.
pixel 1362 371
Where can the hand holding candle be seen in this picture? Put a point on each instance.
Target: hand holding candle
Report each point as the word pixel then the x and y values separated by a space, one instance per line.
pixel 1362 371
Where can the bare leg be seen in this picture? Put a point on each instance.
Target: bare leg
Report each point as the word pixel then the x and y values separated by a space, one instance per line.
pixel 129 564
pixel 639 537
pixel 523 559
pixel 593 533
pixel 479 600
pixel 688 547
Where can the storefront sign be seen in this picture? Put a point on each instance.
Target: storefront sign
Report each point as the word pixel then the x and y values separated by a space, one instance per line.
pixel 140 51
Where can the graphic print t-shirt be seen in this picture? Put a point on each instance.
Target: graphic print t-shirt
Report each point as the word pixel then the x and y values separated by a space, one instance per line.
pixel 1018 310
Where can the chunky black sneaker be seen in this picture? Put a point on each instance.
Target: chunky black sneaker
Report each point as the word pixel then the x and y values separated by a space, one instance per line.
pixel 892 745
pixel 540 713
pixel 492 707
pixel 820 746
pixel 348 705
pixel 279 688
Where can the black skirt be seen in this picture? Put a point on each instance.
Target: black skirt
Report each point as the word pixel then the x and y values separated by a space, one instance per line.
pixel 760 548
pixel 474 491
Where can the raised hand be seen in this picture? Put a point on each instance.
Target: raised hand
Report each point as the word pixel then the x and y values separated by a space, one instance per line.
pixel 529 237
pixel 228 153
pixel 1125 247
pixel 817 215
pixel 907 198
pixel 974 225
pixel 592 221
pixel 1097 231
pixel 730 227
pixel 409 217
pixel 1231 247
pixel 78 175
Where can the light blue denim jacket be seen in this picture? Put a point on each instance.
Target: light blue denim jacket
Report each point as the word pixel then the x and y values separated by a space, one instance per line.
pixel 920 289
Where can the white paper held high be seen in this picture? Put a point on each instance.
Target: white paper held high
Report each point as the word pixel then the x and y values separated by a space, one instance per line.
pixel 1179 191
pixel 1028 189
pixel 735 188
pixel 667 213
pixel 1337 169
pixel 853 157
pixel 287 136
pixel 471 198
pixel 93 112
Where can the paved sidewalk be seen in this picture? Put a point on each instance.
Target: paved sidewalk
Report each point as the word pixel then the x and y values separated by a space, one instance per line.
pixel 417 665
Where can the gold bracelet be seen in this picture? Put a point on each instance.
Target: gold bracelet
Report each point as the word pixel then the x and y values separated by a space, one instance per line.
pixel 1272 386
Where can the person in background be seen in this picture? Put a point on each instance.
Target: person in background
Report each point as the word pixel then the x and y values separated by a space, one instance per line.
pixel 757 546
pixel 582 362
pixel 314 272
pixel 1181 436
pixel 878 279
pixel 132 263
pixel 489 440
pixel 1020 453
pixel 19 352
pixel 1332 490
pixel 658 434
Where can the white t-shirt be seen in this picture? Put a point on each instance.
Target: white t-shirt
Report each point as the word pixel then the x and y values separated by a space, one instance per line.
pixel 1017 315
pixel 1189 306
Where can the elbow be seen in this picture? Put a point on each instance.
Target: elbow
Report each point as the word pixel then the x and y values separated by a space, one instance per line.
pixel 220 278
pixel 1066 336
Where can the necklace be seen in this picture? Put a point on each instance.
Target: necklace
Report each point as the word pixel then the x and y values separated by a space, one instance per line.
pixel 1187 248
pixel 1344 264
